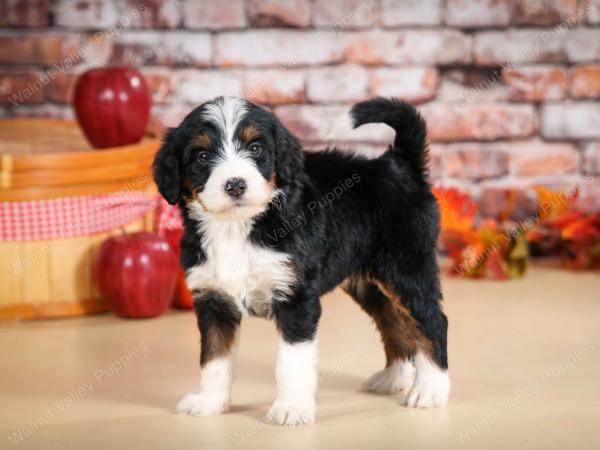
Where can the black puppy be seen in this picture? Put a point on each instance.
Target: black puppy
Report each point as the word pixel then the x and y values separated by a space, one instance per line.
pixel 270 228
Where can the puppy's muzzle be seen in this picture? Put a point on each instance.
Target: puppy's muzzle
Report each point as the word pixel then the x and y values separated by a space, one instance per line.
pixel 235 187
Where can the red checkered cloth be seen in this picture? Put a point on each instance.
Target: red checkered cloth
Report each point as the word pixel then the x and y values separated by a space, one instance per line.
pixel 40 220
pixel 168 217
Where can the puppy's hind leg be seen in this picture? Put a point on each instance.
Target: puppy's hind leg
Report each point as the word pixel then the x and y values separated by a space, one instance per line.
pixel 398 374
pixel 218 320
pixel 415 294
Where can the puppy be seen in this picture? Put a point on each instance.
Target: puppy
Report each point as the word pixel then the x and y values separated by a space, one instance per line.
pixel 269 229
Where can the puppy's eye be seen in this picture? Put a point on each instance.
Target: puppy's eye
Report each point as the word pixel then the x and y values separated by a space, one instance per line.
pixel 255 148
pixel 203 157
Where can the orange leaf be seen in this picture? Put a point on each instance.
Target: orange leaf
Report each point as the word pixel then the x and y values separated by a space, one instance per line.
pixel 584 228
pixel 553 204
pixel 457 209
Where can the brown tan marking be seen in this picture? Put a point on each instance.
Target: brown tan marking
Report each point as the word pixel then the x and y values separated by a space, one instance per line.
pixel 203 141
pixel 216 343
pixel 249 133
pixel 409 331
pixel 217 333
pixel 195 195
pixel 400 332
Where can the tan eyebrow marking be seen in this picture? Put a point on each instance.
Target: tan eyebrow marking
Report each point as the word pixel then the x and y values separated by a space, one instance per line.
pixel 203 141
pixel 249 133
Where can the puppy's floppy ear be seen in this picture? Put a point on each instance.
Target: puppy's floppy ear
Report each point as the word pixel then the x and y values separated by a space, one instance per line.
pixel 290 158
pixel 166 169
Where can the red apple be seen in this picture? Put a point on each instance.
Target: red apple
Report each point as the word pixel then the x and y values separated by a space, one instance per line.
pixel 136 274
pixel 112 105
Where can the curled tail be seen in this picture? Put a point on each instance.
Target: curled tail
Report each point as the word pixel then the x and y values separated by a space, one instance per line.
pixel 410 143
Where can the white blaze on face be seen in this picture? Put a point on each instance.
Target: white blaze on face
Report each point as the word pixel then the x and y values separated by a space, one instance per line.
pixel 233 162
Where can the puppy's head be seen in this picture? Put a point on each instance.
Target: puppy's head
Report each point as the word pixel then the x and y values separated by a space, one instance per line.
pixel 228 159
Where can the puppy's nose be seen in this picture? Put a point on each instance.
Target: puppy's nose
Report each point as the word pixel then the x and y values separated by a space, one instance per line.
pixel 235 187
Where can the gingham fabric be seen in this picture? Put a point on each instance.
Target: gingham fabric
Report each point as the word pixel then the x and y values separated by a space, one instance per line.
pixel 168 217
pixel 40 220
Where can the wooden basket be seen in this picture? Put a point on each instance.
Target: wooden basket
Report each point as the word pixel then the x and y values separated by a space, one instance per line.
pixel 45 159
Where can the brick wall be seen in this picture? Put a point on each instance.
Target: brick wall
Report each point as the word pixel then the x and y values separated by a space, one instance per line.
pixel 510 88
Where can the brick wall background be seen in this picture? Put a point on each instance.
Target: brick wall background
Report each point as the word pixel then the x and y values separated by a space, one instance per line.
pixel 510 88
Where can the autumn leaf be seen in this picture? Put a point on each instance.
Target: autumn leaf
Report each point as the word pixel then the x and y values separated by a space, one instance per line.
pixel 458 210
pixel 553 204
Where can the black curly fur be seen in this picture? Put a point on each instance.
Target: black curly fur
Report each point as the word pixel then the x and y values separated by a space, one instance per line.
pixel 411 131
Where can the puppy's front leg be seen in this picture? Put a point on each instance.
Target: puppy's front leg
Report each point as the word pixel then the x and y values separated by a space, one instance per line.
pixel 296 370
pixel 218 321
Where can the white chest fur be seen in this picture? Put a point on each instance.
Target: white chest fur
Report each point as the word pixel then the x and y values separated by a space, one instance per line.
pixel 251 275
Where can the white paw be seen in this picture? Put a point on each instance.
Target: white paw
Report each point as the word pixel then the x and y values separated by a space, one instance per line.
pixel 430 390
pixel 203 404
pixel 282 413
pixel 399 376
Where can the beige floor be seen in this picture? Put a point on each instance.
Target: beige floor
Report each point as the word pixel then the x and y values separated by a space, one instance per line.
pixel 524 359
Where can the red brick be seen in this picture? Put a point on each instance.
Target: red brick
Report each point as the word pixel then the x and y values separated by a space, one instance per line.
pixel 17 88
pixel 570 120
pixel 535 84
pixel 160 83
pixel 474 162
pixel 411 12
pixel 480 122
pixel 24 13
pixel 39 48
pixel 366 47
pixel 331 124
pixel 337 84
pixel 102 14
pixel 543 158
pixel 96 49
pixel 344 14
pixel 583 45
pixel 516 47
pixel 276 47
pixel 584 82
pixel 478 13
pixel 546 12
pixel 415 84
pixel 60 89
pixel 95 14
pixel 591 159
pixel 408 46
pixel 588 198
pixel 163 117
pixel 214 14
pixel 268 13
pixel 435 163
pixel 154 13
pixel 197 86
pixel 501 197
pixel 472 85
pixel 172 48
pixel 275 87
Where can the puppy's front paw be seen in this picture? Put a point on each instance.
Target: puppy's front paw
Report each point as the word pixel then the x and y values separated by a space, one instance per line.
pixel 283 413
pixel 203 404
pixel 430 390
